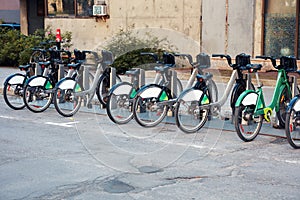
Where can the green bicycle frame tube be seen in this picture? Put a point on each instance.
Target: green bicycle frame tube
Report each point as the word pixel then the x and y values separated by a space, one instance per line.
pixel 281 83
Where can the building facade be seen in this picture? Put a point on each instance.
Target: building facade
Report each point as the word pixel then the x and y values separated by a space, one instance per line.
pixel 254 27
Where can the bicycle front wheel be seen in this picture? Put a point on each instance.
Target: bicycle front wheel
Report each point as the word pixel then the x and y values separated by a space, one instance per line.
pixel 148 109
pixel 188 114
pixel 247 124
pixel 292 126
pixel 119 104
pixel 13 96
pixel 66 102
pixel 37 98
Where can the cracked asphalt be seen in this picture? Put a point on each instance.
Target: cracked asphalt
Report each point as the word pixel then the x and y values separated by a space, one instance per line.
pixel 46 156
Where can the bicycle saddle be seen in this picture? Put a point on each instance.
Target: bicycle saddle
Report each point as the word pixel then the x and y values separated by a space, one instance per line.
pixel 25 67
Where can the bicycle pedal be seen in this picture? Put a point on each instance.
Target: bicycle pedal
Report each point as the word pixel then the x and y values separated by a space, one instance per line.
pixel 89 106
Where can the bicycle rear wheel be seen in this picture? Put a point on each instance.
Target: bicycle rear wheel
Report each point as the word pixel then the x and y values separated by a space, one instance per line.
pixel 37 98
pixel 284 100
pixel 66 102
pixel 292 126
pixel 188 115
pixel 213 90
pixel 103 87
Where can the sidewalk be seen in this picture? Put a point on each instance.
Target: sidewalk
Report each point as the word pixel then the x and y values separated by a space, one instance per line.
pixel 216 122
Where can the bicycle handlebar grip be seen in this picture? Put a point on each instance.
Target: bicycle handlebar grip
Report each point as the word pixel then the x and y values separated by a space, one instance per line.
pixel 188 56
pixel 273 60
pixel 263 57
pixel 218 55
pixel 86 52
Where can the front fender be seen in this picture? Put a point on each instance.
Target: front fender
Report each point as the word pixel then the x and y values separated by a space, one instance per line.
pixel 15 79
pixel 149 91
pixel 190 95
pixel 248 97
pixel 121 88
pixel 295 103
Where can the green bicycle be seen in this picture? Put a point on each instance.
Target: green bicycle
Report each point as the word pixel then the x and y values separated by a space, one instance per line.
pixel 251 109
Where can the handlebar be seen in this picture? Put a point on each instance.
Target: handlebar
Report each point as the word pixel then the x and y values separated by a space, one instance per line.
pixel 228 58
pixel 154 55
pixel 188 56
pixel 273 60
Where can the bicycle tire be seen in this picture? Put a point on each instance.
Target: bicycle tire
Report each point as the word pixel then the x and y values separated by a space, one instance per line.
pixel 11 98
pixel 37 98
pixel 213 90
pixel 65 100
pixel 236 92
pixel 246 124
pixel 292 125
pixel 13 93
pixel 284 100
pixel 146 110
pixel 119 103
pixel 179 87
pixel 103 87
pixel 188 115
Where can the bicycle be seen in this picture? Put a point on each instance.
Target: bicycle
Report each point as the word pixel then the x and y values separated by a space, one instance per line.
pixel 202 63
pixel 292 121
pixel 251 109
pixel 146 108
pixel 121 95
pixel 194 102
pixel 14 86
pixel 38 90
pixel 119 108
pixel 68 93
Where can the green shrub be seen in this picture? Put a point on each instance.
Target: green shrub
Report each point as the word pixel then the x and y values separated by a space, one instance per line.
pixel 127 46
pixel 16 48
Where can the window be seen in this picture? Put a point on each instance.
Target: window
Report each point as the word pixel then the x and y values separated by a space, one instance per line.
pixel 66 8
pixel 281 25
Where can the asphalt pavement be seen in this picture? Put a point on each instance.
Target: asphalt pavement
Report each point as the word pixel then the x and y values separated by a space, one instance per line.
pixel 47 156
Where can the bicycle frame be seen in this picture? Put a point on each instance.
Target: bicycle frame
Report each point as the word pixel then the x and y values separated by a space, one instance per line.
pixel 258 98
pixel 92 90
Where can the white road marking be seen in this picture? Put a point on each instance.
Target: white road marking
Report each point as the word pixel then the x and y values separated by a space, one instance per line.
pixel 68 124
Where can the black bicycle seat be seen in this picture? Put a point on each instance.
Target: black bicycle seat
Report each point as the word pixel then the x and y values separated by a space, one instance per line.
pixel 134 72
pixel 74 65
pixel 161 69
pixel 25 67
pixel 45 63
pixel 204 76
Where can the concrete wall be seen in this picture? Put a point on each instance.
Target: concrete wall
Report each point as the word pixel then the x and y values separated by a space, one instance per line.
pixel 240 26
pixel 213 20
pixel 228 26
pixel 211 26
pixel 179 20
